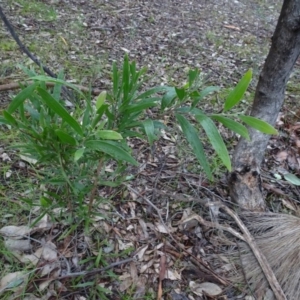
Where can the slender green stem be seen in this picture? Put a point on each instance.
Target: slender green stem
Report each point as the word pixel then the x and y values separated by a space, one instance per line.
pixel 93 192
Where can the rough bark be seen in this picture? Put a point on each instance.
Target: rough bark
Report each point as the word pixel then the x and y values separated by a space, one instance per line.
pixel 244 181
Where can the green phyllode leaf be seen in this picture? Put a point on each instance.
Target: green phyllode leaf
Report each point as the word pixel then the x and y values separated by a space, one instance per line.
pixel 192 137
pixel 215 139
pixel 236 95
pixel 112 150
pixel 150 130
pixel 233 125
pixel 59 110
pixel 258 124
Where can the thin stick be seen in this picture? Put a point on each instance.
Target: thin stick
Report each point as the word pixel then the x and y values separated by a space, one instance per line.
pixel 95 271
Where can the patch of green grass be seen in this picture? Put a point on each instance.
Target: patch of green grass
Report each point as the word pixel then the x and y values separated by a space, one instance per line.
pixel 38 9
pixel 8 45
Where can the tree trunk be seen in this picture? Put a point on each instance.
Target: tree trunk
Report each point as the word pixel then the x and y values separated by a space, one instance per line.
pixel 244 181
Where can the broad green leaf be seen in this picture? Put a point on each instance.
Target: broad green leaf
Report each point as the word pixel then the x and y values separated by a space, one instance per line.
pixel 215 139
pixel 198 97
pixel 237 93
pixel 293 179
pixel 56 80
pixel 192 137
pixel 112 150
pixel 65 137
pixel 59 110
pixel 108 135
pixel 21 97
pixel 168 97
pixel 180 93
pixel 100 99
pixel 193 74
pixel 78 154
pixel 150 130
pixel 233 125
pixel 258 124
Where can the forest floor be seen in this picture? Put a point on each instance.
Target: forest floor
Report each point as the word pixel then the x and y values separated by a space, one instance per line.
pixel 223 39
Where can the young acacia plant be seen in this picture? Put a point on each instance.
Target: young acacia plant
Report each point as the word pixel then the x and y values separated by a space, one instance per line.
pixel 74 146
pixel 186 101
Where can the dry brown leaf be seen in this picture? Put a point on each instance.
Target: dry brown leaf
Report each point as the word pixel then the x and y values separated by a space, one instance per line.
pixel 15 232
pixel 12 280
pixel 49 252
pixel 281 156
pixel 232 27
pixel 17 245
pixel 140 253
pixel 146 266
pixel 207 288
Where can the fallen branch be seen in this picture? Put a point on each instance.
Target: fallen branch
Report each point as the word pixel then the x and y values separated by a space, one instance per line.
pixel 16 85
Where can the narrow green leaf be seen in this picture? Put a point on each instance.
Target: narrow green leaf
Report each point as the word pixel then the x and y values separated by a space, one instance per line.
pixel 215 139
pixel 45 201
pixel 99 115
pixel 197 97
pixel 57 88
pixel 115 80
pixel 150 130
pixel 100 99
pixel 193 74
pixel 193 139
pixel 86 120
pixel 237 93
pixel 152 91
pixel 125 79
pixel 258 124
pixel 59 110
pixel 4 121
pixel 108 135
pixel 112 150
pixel 65 137
pixel 10 119
pixel 21 97
pixel 233 125
pixel 140 106
pixel 78 154
pixel 180 93
pixel 56 80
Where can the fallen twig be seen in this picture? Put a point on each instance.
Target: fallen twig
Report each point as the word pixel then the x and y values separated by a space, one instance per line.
pixel 95 271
